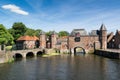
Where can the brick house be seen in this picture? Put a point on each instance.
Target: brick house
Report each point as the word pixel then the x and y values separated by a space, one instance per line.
pixel 110 40
pixel 117 39
pixel 114 40
pixel 27 42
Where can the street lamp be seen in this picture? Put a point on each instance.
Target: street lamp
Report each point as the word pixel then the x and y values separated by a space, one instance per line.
pixel 113 43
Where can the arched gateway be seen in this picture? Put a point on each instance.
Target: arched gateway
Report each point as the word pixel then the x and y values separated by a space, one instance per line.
pixel 79 50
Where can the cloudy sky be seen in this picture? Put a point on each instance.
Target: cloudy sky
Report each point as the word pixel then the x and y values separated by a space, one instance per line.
pixel 61 14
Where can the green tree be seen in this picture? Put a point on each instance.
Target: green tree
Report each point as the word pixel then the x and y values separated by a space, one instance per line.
pixel 48 33
pixel 5 36
pixel 37 32
pixel 32 32
pixel 63 33
pixel 18 29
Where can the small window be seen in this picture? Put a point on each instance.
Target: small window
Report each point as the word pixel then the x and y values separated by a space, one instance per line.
pixel 77 39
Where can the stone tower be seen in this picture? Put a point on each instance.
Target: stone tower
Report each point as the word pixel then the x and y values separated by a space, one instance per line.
pixel 53 39
pixel 103 37
pixel 42 40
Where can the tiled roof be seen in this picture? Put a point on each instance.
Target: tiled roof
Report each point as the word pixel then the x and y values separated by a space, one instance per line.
pixel 78 29
pixel 117 32
pixel 28 38
pixel 110 36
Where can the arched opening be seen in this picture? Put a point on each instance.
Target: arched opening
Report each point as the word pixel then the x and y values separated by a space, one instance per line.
pixel 79 50
pixel 17 56
pixel 29 55
pixel 39 53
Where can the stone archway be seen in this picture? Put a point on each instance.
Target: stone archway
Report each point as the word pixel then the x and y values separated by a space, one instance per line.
pixel 17 55
pixel 30 54
pixel 79 50
pixel 39 53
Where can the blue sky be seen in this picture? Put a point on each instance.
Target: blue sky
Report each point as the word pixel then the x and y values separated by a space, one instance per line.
pixel 61 14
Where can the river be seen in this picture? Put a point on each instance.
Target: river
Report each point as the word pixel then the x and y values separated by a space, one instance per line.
pixel 62 67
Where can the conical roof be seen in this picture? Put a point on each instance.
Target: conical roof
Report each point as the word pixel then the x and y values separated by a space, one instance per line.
pixel 102 27
pixel 118 32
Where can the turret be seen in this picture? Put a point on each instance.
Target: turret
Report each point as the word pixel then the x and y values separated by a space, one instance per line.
pixel 103 37
pixel 53 39
pixel 42 40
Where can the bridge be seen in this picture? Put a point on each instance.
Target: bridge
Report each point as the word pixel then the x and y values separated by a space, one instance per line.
pixel 25 53
pixel 7 56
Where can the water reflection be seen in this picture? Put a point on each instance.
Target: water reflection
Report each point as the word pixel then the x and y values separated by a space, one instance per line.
pixel 79 53
pixel 64 67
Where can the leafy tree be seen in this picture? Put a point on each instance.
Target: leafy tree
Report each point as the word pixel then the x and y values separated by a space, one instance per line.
pixel 29 32
pixel 63 33
pixel 5 36
pixel 11 31
pixel 32 32
pixel 18 29
pixel 48 33
pixel 37 32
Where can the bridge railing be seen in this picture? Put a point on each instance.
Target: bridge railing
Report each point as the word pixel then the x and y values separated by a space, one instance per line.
pixel 23 50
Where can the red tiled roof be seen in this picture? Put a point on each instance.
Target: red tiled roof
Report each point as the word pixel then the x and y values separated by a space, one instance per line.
pixel 28 38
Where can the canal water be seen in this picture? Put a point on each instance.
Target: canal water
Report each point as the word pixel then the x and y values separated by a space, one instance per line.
pixel 62 67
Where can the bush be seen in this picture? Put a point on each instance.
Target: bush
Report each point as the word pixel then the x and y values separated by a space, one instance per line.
pixel 8 48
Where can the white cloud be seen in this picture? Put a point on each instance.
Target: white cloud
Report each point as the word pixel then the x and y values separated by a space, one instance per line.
pixel 14 8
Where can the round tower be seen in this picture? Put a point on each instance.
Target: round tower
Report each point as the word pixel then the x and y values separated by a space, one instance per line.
pixel 53 39
pixel 103 37
pixel 42 40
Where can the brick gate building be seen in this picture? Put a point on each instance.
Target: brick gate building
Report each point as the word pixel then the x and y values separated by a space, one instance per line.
pixel 97 39
pixel 77 38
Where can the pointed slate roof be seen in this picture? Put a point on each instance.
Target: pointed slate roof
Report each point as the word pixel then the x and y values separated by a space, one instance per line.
pixel 117 32
pixel 103 27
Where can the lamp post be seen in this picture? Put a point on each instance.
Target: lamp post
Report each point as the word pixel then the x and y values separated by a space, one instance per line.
pixel 113 43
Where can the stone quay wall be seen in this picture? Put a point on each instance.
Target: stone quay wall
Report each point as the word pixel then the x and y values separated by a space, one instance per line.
pixel 5 57
pixel 108 53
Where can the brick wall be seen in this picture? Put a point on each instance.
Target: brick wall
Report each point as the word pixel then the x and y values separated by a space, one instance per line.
pixel 87 42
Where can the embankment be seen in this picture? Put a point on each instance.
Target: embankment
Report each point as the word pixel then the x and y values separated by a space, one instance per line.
pixel 108 54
